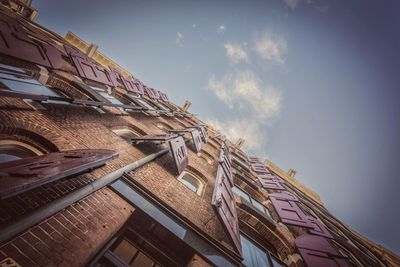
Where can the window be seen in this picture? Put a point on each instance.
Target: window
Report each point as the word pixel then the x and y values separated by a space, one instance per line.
pixel 255 256
pixel 127 134
pixel 163 126
pixel 207 157
pixel 16 79
pixel 13 150
pixel 106 95
pixel 144 104
pixel 129 254
pixel 191 182
pixel 239 192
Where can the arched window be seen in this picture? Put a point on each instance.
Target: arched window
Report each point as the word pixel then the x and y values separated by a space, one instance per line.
pixel 163 126
pixel 192 182
pixel 13 150
pixel 127 134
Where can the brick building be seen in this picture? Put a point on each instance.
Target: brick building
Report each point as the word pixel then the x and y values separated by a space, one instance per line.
pixel 97 169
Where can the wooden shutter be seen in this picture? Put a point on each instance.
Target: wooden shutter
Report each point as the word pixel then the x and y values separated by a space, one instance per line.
pixel 272 185
pixel 316 251
pixel 196 139
pixel 88 69
pixel 139 86
pixel 15 42
pixel 179 153
pixel 163 96
pixel 224 205
pixel 284 195
pixel 318 228
pixel 259 168
pixel 225 162
pixel 290 212
pixel 152 93
pixel 24 174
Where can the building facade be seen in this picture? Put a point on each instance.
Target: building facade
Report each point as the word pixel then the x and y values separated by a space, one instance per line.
pixel 98 169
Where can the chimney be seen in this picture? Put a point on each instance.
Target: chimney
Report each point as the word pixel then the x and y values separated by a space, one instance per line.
pixel 186 105
pixel 292 173
pixel 239 143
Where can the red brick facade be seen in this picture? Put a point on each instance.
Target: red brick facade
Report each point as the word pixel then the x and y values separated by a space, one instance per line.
pixel 91 228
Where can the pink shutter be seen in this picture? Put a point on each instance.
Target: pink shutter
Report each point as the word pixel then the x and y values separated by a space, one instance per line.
pixel 163 96
pixel 88 69
pixel 15 42
pixel 272 185
pixel 179 153
pixel 224 205
pixel 24 174
pixel 196 139
pixel 318 252
pixel 318 228
pixel 152 93
pixel 284 195
pixel 259 167
pixel 139 86
pixel 290 212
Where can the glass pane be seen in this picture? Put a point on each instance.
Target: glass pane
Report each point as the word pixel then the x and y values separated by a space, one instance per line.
pixel 144 103
pixel 276 263
pixel 14 152
pixel 110 98
pixel 252 255
pixel 125 251
pixel 190 182
pixel 240 193
pixel 29 86
pixel 258 205
pixel 142 260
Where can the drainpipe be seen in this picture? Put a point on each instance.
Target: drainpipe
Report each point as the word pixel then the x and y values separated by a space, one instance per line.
pixel 28 220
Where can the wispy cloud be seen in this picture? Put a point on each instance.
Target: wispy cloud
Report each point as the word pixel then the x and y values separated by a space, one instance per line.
pixel 179 39
pixel 221 28
pixel 272 48
pixel 249 129
pixel 292 4
pixel 246 90
pixel 236 53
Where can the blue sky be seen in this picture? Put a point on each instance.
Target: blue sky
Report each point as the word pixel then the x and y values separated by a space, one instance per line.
pixel 310 84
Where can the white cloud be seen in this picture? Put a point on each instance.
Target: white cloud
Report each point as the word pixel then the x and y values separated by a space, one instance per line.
pixel 271 48
pixel 179 39
pixel 194 26
pixel 250 130
pixel 221 28
pixel 246 90
pixel 236 53
pixel 292 4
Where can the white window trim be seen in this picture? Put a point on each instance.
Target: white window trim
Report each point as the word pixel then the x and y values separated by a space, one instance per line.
pixel 200 181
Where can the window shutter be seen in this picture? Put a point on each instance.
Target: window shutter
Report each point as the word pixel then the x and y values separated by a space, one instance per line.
pixel 163 96
pixel 290 212
pixel 318 252
pixel 129 84
pixel 88 69
pixel 224 205
pixel 179 153
pixel 15 42
pixel 318 228
pixel 284 195
pixel 259 168
pixel 225 162
pixel 196 140
pixel 152 93
pixel 139 86
pixel 24 174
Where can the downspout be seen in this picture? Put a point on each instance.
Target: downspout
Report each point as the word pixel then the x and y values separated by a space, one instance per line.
pixel 28 220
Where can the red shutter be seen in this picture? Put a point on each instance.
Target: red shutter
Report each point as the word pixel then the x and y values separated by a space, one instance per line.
pixel 318 228
pixel 225 162
pixel 318 252
pixel 179 153
pixel 272 185
pixel 15 42
pixel 284 195
pixel 224 205
pixel 290 212
pixel 259 167
pixel 196 139
pixel 24 174
pixel 88 69
pixel 152 93
pixel 269 178
pixel 139 86
pixel 163 96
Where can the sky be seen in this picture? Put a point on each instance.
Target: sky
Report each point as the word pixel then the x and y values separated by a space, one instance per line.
pixel 311 85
